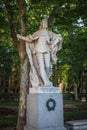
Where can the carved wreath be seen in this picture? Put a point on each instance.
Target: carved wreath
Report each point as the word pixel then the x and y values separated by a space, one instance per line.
pixel 50 104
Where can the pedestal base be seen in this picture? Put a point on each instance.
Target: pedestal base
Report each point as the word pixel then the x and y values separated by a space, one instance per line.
pixel 45 110
pixel 76 125
pixel 55 128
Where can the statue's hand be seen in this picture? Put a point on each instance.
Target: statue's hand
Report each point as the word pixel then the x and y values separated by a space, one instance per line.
pixel 18 36
pixel 30 38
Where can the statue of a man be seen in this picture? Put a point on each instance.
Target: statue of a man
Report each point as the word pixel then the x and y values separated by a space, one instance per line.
pixel 41 48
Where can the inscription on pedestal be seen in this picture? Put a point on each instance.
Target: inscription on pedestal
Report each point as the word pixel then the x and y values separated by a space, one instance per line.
pixel 44 90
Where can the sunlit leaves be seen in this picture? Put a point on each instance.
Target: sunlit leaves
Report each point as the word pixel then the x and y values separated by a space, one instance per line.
pixel 67 17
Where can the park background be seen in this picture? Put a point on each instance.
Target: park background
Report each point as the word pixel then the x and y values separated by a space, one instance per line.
pixel 65 17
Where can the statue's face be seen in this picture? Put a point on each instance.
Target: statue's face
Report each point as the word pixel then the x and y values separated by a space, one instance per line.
pixel 44 23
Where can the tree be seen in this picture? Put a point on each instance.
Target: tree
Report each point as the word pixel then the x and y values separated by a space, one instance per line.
pixel 22 53
pixel 65 17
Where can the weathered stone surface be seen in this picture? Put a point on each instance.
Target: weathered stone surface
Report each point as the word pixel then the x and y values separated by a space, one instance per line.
pixel 44 111
pixel 77 125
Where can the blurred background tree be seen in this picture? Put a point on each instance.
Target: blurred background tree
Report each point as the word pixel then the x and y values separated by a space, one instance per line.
pixel 67 17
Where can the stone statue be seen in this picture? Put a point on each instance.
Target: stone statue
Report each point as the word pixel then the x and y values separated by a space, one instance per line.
pixel 41 48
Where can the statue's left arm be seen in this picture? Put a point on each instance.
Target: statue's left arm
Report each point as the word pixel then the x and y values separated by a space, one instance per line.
pixel 56 40
pixel 56 45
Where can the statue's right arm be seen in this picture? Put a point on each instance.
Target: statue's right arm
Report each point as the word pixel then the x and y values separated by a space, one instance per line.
pixel 23 38
pixel 29 38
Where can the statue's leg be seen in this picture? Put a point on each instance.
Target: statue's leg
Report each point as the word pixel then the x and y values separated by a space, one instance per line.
pixel 48 64
pixel 47 59
pixel 41 63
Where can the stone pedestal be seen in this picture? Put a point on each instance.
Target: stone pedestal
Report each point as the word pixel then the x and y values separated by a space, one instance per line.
pixel 76 125
pixel 44 109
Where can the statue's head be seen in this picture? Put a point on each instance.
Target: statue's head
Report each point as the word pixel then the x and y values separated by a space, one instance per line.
pixel 44 24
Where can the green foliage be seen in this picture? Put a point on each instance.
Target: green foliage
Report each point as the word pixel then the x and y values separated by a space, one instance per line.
pixel 67 17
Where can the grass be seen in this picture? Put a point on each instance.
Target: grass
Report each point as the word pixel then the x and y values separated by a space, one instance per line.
pixel 9 120
pixel 75 115
pixel 9 103
pixel 74 102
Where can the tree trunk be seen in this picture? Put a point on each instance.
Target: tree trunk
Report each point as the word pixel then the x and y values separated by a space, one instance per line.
pixel 23 94
pixel 76 93
pixel 24 68
pixel 23 58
